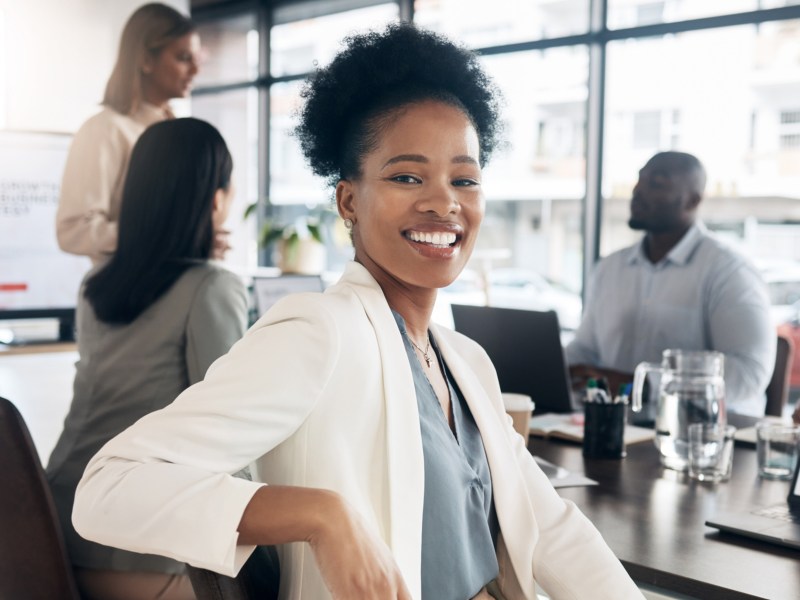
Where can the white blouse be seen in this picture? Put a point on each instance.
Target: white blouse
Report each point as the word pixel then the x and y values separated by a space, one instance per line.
pixel 94 175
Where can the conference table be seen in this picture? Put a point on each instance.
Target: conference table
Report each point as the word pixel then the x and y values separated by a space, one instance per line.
pixel 653 519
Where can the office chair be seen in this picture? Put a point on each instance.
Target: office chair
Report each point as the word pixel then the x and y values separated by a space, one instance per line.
pixel 778 387
pixel 259 579
pixel 33 559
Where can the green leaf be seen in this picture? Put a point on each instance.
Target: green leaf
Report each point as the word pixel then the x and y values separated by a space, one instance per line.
pixel 251 208
pixel 270 234
pixel 315 232
pixel 291 245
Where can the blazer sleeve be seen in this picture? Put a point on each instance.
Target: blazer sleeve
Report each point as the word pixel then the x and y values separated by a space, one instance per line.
pixel 164 487
pixel 217 319
pixel 97 158
pixel 570 558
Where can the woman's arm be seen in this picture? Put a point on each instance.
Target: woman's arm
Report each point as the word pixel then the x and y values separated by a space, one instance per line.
pixel 352 560
pixel 163 485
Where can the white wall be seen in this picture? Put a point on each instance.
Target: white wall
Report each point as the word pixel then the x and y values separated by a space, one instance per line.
pixel 55 58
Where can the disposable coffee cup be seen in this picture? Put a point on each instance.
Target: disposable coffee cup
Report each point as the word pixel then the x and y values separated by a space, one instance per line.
pixel 519 407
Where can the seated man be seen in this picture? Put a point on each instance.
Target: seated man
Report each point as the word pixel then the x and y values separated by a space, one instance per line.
pixel 678 287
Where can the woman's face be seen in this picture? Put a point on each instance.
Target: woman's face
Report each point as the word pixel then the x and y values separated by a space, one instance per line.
pixel 169 74
pixel 418 204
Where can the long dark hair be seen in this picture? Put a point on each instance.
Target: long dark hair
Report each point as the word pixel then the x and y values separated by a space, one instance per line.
pixel 148 30
pixel 165 221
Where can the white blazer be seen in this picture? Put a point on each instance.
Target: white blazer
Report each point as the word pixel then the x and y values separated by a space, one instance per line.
pixel 319 393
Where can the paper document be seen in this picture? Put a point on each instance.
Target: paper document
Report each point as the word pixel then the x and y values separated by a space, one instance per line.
pixel 560 477
pixel 570 427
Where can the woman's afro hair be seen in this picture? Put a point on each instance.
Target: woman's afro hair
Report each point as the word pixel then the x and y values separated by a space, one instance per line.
pixel 378 72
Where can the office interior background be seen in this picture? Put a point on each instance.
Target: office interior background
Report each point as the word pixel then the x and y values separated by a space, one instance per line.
pixel 592 89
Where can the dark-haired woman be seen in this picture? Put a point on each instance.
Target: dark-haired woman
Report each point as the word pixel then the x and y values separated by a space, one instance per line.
pixel 390 461
pixel 149 323
pixel 157 61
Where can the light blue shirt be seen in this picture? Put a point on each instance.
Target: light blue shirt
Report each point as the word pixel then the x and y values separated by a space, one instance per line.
pixel 459 523
pixel 702 296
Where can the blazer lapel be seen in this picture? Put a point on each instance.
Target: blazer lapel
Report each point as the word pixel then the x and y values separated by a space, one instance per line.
pixel 517 522
pixel 406 470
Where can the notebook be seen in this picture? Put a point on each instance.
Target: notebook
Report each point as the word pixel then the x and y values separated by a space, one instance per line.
pixel 268 290
pixel 525 347
pixel 777 524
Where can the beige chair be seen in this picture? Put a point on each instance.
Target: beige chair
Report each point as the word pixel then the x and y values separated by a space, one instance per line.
pixel 33 559
pixel 778 388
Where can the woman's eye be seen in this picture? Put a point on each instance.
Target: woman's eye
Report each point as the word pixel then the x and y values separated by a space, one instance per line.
pixel 465 182
pixel 405 179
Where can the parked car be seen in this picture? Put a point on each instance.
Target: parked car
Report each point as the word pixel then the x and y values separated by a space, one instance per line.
pixel 515 288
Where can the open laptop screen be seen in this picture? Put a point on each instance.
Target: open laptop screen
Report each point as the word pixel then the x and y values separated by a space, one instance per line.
pixel 525 348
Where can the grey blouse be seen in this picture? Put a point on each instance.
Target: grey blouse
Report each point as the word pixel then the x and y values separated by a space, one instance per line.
pixel 127 371
pixel 459 524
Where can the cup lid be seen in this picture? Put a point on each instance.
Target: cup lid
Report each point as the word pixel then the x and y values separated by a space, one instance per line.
pixel 514 401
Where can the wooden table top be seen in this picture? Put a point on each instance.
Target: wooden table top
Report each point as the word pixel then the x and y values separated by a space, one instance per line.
pixel 653 519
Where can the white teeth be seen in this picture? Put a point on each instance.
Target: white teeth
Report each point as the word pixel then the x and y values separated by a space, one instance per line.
pixel 442 239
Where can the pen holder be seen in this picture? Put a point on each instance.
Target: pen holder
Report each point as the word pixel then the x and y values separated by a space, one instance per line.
pixel 604 430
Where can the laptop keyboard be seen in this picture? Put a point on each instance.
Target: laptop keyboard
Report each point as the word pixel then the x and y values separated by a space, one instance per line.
pixel 779 512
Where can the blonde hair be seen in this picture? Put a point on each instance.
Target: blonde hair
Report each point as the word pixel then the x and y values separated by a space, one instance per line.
pixel 148 30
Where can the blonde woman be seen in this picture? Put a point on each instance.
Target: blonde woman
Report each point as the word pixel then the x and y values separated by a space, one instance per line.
pixel 157 62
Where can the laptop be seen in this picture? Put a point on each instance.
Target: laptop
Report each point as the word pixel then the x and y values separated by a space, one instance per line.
pixel 777 524
pixel 268 290
pixel 525 347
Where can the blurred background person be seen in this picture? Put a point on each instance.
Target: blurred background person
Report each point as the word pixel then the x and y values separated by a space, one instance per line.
pixel 679 287
pixel 157 61
pixel 150 321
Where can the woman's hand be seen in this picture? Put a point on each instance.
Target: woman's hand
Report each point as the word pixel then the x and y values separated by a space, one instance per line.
pixel 353 561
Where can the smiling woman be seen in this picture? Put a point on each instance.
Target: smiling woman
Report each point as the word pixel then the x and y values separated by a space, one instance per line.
pixel 383 437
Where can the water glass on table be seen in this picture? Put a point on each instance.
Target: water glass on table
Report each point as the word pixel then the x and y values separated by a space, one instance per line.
pixel 777 449
pixel 710 451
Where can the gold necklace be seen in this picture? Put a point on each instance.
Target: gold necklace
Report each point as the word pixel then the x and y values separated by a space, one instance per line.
pixel 425 354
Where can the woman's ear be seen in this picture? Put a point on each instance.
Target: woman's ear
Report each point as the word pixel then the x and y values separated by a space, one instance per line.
pixel 219 209
pixel 345 200
pixel 146 65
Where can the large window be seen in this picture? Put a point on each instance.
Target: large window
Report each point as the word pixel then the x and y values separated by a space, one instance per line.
pixel 728 96
pixel 587 102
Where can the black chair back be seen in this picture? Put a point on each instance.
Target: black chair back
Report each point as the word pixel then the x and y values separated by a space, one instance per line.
pixel 259 579
pixel 33 559
pixel 778 387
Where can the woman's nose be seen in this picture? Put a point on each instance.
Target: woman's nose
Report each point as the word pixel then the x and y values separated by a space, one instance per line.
pixel 440 198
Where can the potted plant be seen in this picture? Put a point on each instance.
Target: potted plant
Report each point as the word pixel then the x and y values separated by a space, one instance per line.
pixel 298 242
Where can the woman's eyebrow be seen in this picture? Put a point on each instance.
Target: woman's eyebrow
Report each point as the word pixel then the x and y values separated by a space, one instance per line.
pixel 406 158
pixel 460 159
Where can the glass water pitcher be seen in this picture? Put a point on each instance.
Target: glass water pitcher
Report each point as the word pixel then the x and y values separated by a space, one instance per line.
pixel 691 390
